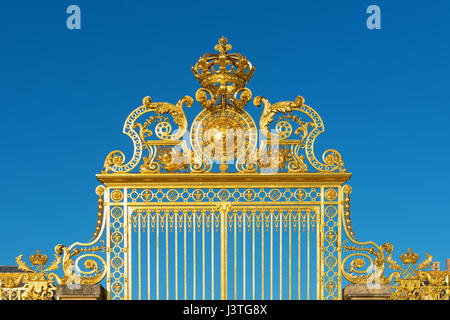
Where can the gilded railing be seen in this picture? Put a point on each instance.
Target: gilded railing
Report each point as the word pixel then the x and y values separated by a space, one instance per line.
pixel 185 238
pixel 164 217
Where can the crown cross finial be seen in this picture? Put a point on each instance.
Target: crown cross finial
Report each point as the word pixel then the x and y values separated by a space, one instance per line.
pixel 409 257
pixel 223 77
pixel 223 46
pixel 38 259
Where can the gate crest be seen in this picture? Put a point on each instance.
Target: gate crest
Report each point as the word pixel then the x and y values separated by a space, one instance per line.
pixel 223 131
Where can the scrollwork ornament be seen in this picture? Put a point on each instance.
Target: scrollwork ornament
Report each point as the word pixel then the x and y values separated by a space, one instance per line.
pixel 270 110
pixel 115 161
pixel 94 274
pixel 332 158
pixel 376 267
pixel 241 98
pixel 173 160
pixel 202 97
pixel 115 158
pixel 149 164
pixel 177 113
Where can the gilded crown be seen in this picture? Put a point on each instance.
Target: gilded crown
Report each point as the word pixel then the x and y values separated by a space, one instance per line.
pixel 223 70
pixel 409 257
pixel 38 259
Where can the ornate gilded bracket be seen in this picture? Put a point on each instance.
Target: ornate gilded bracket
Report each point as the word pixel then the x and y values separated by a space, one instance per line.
pixel 332 160
pixel 82 263
pixel 115 161
pixel 366 262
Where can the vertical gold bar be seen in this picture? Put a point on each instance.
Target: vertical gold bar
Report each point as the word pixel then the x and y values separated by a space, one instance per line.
pixel 108 244
pixel 290 256
pixel 271 254
pixel 263 219
pixel 203 252
pixel 176 254
pixel 243 253
pixel 308 212
pixel 194 213
pixel 318 246
pixel 127 235
pixel 235 265
pixel 223 253
pixel 212 252
pixel 253 253
pixel 139 252
pixel 167 254
pixel 281 255
pixel 157 255
pixel 339 243
pixel 322 220
pixel 184 257
pixel 299 251
pixel 148 253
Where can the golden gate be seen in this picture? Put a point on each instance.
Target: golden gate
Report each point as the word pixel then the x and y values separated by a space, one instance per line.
pixel 225 210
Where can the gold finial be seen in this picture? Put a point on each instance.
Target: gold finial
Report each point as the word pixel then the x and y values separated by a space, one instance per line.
pixel 223 46
pixel 100 190
pixel 223 77
pixel 409 257
pixel 38 259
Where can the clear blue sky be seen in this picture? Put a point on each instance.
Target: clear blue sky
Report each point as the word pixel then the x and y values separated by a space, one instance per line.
pixel 382 94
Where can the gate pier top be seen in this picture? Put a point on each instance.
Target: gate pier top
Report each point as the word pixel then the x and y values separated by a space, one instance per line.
pixel 364 292
pixel 80 292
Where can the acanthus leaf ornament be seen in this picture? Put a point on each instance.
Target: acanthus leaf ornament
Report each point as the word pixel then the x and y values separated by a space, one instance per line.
pixel 177 113
pixel 115 161
pixel 270 110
